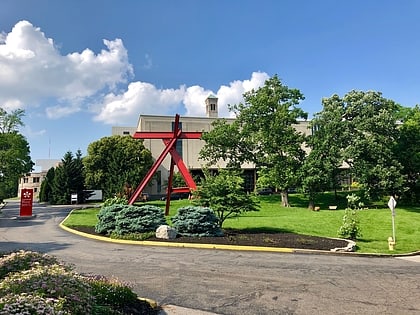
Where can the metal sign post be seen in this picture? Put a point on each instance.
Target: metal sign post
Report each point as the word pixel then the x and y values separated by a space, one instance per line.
pixel 391 204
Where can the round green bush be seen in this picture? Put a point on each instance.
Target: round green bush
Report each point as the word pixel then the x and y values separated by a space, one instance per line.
pixel 196 221
pixel 107 218
pixel 133 219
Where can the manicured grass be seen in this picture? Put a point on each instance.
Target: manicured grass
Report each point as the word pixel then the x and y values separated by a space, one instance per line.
pixel 376 224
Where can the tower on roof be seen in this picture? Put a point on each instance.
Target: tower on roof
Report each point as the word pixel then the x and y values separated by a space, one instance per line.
pixel 211 106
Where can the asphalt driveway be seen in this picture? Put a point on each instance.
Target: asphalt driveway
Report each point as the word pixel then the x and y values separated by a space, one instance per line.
pixel 223 281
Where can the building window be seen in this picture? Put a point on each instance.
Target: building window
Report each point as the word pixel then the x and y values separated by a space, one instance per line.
pixel 35 180
pixel 212 107
pixel 25 180
pixel 35 189
pixel 126 132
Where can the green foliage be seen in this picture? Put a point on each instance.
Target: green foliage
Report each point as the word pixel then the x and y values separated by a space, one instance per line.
pixel 263 133
pixel 371 131
pixel 196 221
pixel 224 194
pixel 45 193
pixel 116 161
pixel 110 292
pixel 68 179
pixel 10 122
pixel 407 150
pixel 350 227
pixel 115 200
pixel 107 218
pixel 133 219
pixel 15 161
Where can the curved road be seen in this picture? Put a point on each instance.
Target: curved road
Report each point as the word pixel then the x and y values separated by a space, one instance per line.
pixel 227 282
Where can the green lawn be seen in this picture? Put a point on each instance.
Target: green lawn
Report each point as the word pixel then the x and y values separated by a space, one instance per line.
pixel 376 224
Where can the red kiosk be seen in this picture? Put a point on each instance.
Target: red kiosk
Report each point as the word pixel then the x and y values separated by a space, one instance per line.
pixel 169 139
pixel 26 199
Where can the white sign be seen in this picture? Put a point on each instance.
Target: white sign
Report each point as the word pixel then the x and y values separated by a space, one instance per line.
pixel 392 204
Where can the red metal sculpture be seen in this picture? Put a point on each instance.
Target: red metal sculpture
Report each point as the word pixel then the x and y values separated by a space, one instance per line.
pixel 169 139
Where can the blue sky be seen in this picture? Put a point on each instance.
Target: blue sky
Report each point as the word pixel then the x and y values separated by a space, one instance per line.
pixel 80 67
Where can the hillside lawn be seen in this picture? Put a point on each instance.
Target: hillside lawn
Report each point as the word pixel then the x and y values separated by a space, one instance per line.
pixel 375 221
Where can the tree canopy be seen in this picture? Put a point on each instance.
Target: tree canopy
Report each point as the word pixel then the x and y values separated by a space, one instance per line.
pixel 15 159
pixel 114 162
pixel 224 193
pixel 263 133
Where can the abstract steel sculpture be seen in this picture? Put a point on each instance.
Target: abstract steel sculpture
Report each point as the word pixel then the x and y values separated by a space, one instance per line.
pixel 170 139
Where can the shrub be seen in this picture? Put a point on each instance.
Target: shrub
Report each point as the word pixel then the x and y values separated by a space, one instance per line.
pixel 107 218
pixel 31 304
pixel 196 221
pixel 24 260
pixel 115 201
pixel 350 228
pixel 52 281
pixel 133 219
pixel 110 291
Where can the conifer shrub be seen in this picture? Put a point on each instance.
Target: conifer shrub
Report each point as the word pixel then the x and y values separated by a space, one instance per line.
pixel 107 218
pixel 196 221
pixel 133 219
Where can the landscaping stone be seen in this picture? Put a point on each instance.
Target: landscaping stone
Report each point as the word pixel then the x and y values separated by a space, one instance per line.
pixel 166 232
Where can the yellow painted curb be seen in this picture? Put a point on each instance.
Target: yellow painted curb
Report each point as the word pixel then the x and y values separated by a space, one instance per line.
pixel 172 244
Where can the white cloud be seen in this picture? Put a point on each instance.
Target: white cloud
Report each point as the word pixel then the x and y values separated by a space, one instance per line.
pixel 140 97
pixel 33 72
pixel 145 98
pixel 32 69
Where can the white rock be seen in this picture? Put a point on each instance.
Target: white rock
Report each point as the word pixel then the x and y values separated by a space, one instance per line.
pixel 166 232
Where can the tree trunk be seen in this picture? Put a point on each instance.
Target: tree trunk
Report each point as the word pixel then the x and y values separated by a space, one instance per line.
pixel 311 205
pixel 284 198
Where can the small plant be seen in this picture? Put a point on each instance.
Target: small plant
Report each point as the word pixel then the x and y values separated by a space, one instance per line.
pixel 24 260
pixel 134 236
pixel 54 281
pixel 115 201
pixel 351 228
pixel 110 292
pixel 196 221
pixel 25 303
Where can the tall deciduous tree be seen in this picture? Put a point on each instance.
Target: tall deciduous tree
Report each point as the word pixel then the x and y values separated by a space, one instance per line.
pixel 370 131
pixel 320 169
pixel 115 161
pixel 15 159
pixel 266 120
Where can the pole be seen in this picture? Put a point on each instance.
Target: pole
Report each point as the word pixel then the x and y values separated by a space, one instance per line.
pixel 393 227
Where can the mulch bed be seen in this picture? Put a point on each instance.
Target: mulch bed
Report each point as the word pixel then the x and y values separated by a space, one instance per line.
pixel 232 237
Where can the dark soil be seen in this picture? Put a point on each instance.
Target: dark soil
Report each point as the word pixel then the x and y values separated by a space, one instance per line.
pixel 232 237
